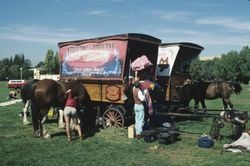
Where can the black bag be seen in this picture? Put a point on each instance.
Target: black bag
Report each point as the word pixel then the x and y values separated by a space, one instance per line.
pixel 164 138
pixel 149 135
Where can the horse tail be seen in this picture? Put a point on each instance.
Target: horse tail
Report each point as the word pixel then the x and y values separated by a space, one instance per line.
pixel 237 87
pixel 23 93
pixel 34 111
pixel 26 90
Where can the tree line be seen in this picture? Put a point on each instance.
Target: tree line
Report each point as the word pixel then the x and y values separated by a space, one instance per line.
pixel 17 67
pixel 225 67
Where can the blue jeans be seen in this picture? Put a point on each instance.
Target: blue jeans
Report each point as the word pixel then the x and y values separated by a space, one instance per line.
pixel 139 118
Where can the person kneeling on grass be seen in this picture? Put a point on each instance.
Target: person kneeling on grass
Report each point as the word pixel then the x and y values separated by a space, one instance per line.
pixel 71 114
pixel 13 94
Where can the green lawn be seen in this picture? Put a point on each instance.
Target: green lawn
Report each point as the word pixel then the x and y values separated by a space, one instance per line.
pixel 111 146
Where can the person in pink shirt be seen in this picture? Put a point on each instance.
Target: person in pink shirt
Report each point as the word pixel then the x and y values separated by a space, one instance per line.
pixel 70 113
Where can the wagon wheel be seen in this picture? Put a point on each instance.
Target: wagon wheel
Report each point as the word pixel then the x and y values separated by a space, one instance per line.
pixel 112 117
pixel 121 109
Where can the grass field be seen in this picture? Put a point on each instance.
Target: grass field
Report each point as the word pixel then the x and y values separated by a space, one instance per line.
pixel 111 146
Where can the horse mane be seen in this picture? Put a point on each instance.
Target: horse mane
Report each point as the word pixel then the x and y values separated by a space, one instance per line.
pixel 76 88
pixel 242 78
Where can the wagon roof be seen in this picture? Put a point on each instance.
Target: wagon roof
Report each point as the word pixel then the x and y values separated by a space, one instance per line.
pixel 125 36
pixel 184 44
pixel 187 50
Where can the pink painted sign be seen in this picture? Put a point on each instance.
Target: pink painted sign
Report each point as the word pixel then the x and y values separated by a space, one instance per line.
pixel 94 60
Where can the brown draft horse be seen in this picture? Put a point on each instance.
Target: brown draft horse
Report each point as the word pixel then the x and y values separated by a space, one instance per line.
pixel 26 91
pixel 49 93
pixel 201 90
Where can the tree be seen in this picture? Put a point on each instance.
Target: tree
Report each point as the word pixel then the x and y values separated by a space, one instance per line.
pixel 18 59
pixel 25 69
pixel 6 61
pixel 48 62
pixel 207 71
pixel 245 61
pixel 40 65
pixel 3 71
pixel 56 64
pixel 10 69
pixel 227 67
pixel 14 72
pixel 219 70
pixel 232 61
pixel 51 63
pixel 195 69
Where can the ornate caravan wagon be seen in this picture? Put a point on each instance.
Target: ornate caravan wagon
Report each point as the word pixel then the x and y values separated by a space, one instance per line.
pixel 173 62
pixel 103 65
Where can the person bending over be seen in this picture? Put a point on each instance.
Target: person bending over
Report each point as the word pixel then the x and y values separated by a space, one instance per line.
pixel 70 113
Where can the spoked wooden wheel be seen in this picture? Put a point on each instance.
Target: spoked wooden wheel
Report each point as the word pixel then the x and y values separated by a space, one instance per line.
pixel 112 117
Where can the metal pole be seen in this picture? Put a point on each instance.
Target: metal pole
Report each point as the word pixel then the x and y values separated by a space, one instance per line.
pixel 21 73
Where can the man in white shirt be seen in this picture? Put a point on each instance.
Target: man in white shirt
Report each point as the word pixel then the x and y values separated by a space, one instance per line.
pixel 139 98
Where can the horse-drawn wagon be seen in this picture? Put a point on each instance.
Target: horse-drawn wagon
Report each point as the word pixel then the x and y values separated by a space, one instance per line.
pixel 104 66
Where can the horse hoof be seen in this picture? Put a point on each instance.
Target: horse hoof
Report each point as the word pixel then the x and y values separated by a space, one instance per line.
pixel 69 139
pixel 47 136
pixel 36 135
pixel 26 123
pixel 81 138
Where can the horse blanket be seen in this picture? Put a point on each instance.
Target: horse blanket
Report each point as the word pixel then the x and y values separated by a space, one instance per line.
pixel 140 63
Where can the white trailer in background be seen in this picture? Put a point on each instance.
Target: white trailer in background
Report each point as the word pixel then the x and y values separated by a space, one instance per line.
pixel 37 75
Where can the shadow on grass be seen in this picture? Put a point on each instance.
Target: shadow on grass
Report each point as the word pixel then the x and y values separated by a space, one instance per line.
pixel 60 133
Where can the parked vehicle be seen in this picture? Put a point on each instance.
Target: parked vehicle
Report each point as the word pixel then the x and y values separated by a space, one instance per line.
pixel 15 84
pixel 104 66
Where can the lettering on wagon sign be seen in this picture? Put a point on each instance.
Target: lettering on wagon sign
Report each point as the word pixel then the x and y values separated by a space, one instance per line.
pixel 113 93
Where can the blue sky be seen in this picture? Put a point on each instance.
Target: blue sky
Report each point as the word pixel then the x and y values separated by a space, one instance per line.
pixel 32 27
